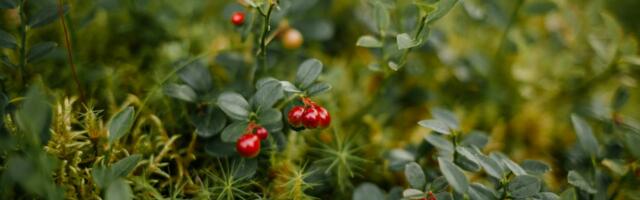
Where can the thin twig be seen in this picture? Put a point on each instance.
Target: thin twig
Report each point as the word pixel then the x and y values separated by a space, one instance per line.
pixel 67 43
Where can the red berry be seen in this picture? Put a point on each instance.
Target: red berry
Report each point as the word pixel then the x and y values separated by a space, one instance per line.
pixel 431 196
pixel 311 118
pixel 237 18
pixel 262 132
pixel 324 117
pixel 248 145
pixel 295 116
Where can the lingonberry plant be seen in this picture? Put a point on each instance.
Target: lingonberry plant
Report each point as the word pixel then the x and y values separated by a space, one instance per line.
pixel 313 99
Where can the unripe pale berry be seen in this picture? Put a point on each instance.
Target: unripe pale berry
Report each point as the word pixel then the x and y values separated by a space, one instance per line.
pixel 291 39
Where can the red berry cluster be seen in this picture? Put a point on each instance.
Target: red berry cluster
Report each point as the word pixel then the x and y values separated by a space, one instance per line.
pixel 311 115
pixel 248 145
pixel 237 18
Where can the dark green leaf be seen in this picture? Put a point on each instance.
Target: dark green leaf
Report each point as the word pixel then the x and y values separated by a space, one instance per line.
pixel 46 15
pixel 535 167
pixel 382 17
pixel 34 116
pixel 435 125
pixel 211 124
pixel 219 149
pixel 454 175
pixel 514 167
pixel 318 88
pixel 7 40
pixel 181 92
pixel 540 7
pixel 40 50
pixel 545 196
pixel 632 139
pixel 439 142
pixel 289 87
pixel 442 9
pixel 102 176
pixel 568 194
pixel 491 166
pixel 123 167
pixel 444 196
pixel 524 186
pixel 404 41
pixel 575 179
pixel 586 138
pixel 369 42
pixel 480 192
pixel 412 194
pixel 367 191
pixel 234 105
pixel 269 94
pixel 466 160
pixel 120 124
pixel 620 98
pixel 415 176
pixel 476 138
pixel 6 62
pixel 308 72
pixel 197 76
pixel 244 168
pixel 8 4
pixel 233 131
pixel 269 116
pixel 438 184
pixel 446 116
pixel 118 190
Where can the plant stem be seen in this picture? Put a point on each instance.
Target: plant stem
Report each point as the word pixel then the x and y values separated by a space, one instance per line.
pixel 403 59
pixel 262 50
pixel 23 44
pixel 67 43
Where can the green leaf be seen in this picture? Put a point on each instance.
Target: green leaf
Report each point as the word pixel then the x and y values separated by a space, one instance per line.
pixel 8 4
pixel 446 116
pixel 46 15
pixel 124 166
pixel 40 50
pixel 415 176
pixel 6 62
pixel 318 88
pixel 234 131
pixel 269 94
pixel 369 42
pixel 120 124
pixel 102 176
pixel 438 184
pixel 476 138
pixel 7 40
pixel 466 160
pixel 435 125
pixel 514 167
pixel 454 175
pixel 211 124
pixel 404 41
pixel 491 166
pixel 269 116
pixel 219 149
pixel 540 7
pixel 34 116
pixel 196 75
pixel 308 72
pixel 545 196
pixel 568 194
pixel 289 87
pixel 444 6
pixel 586 138
pixel 620 98
pixel 412 194
pixel 244 168
pixel 575 179
pixel 382 17
pixel 535 167
pixel 367 191
pixel 632 139
pixel 441 143
pixel 480 192
pixel 234 105
pixel 118 190
pixel 524 186
pixel 181 92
